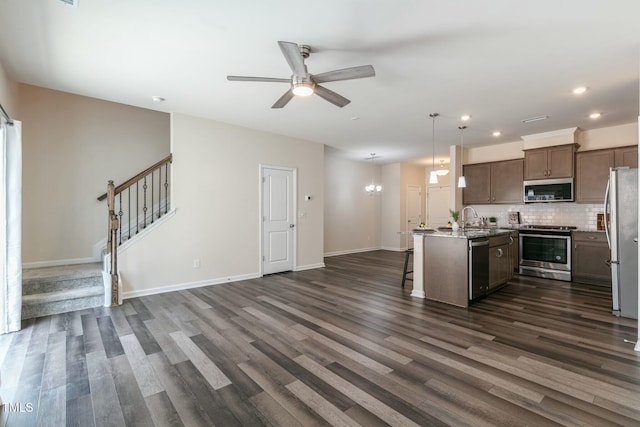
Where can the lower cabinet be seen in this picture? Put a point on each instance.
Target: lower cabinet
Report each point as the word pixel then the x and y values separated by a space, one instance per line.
pixel 590 258
pixel 500 260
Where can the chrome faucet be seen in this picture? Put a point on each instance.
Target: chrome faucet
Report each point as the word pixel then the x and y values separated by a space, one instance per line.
pixel 464 220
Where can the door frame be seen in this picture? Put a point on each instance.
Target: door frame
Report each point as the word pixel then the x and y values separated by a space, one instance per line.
pixel 294 190
pixel 409 239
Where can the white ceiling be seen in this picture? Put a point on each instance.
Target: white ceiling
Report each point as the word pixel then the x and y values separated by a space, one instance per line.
pixel 499 60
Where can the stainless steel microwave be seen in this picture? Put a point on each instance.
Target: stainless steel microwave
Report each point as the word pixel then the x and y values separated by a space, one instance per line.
pixel 548 190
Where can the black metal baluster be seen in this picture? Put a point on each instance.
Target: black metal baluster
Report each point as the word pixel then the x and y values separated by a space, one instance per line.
pixel 166 188
pixel 129 212
pixel 152 197
pixel 160 192
pixel 120 213
pixel 144 207
pixel 137 207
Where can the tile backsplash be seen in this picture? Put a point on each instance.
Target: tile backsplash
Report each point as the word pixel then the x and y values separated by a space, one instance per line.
pixel 583 216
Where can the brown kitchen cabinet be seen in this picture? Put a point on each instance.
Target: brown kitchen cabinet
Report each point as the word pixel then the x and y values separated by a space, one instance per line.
pixel 590 258
pixel 592 171
pixel 549 162
pixel 515 249
pixel 478 189
pixel 500 260
pixel 626 156
pixel 496 182
pixel 506 181
pixel 592 174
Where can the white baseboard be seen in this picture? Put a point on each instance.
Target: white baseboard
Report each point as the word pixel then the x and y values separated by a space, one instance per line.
pixel 418 294
pixel 352 251
pixel 58 262
pixel 394 249
pixel 310 266
pixel 189 285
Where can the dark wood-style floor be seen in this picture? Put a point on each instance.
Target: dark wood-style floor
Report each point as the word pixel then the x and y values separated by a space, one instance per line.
pixel 343 345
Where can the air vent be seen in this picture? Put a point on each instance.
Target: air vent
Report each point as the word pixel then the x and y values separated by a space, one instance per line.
pixel 72 3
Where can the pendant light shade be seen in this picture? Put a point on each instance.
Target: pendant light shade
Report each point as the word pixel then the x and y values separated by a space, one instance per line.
pixel 433 177
pixel 373 188
pixel 462 182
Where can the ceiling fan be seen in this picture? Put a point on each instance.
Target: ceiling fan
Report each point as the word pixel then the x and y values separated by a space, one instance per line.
pixel 304 84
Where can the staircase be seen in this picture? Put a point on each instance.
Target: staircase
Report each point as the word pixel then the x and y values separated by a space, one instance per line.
pixel 54 290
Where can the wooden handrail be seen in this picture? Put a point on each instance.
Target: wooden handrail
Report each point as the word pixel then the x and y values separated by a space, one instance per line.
pixel 139 176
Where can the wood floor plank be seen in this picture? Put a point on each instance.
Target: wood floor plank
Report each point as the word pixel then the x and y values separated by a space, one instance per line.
pixel 110 340
pixel 363 398
pixel 162 411
pixel 320 405
pixel 91 333
pixel 214 376
pixel 104 397
pixel 340 345
pixel 189 409
pixel 142 370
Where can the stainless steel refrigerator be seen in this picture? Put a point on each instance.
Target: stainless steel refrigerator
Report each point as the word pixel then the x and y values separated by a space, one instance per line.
pixel 621 226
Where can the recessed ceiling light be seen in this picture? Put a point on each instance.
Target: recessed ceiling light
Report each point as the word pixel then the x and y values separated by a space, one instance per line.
pixel 465 117
pixel 579 90
pixel 595 115
pixel 157 99
pixel 497 133
pixel 534 119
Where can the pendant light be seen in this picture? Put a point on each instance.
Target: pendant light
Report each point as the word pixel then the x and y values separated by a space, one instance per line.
pixel 442 171
pixel 462 182
pixel 373 188
pixel 433 176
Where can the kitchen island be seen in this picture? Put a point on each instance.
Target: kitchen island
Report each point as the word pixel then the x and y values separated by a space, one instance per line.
pixel 456 267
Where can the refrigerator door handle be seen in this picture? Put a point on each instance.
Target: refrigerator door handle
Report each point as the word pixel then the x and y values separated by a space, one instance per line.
pixel 606 219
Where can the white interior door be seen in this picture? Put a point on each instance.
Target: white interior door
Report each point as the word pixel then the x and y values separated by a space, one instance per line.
pixel 437 206
pixel 278 219
pixel 414 210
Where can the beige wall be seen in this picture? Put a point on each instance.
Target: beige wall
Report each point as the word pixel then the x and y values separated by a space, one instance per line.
pixel 390 209
pixel 7 93
pixel 614 136
pixel 216 196
pixel 352 217
pixel 71 146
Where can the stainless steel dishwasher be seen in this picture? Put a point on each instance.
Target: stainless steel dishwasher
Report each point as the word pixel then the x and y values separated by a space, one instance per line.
pixel 478 268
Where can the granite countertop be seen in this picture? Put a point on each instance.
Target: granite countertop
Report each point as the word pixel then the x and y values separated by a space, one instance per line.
pixel 469 233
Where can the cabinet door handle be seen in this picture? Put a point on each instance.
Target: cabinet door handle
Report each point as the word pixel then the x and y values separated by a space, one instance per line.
pixel 499 253
pixel 591 237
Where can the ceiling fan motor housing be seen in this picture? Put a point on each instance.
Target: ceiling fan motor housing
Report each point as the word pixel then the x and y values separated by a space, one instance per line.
pixel 305 50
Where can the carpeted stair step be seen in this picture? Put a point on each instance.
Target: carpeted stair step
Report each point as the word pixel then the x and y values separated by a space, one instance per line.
pixel 54 290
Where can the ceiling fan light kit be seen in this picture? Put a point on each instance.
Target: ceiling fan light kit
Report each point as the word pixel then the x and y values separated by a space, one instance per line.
pixel 305 84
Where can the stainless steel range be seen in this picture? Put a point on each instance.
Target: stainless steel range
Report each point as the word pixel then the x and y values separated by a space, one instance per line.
pixel 545 251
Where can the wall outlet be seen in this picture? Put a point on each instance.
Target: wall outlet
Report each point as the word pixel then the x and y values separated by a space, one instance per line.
pixel 196 263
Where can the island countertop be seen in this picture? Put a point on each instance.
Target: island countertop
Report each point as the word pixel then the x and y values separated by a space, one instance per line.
pixel 469 233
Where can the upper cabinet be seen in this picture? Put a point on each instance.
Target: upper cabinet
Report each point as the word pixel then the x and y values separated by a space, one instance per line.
pixel 592 171
pixel 549 162
pixel 478 189
pixel 497 182
pixel 626 156
pixel 506 181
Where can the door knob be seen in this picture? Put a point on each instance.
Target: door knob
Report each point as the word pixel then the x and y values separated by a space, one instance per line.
pixel 291 225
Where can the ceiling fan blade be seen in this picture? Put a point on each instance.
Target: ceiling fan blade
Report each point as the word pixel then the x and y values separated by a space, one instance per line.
pixel 257 79
pixel 345 74
pixel 291 52
pixel 331 96
pixel 284 99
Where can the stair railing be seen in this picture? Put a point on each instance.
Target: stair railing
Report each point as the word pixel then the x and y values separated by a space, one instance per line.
pixel 149 205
